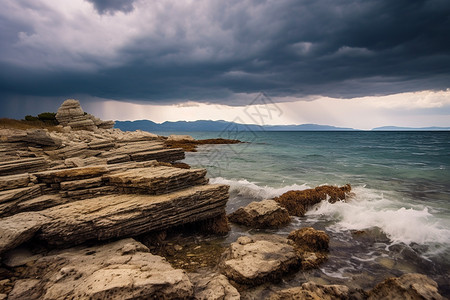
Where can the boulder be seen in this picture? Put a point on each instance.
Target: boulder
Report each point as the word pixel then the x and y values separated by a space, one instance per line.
pixel 119 270
pixel 298 202
pixel 311 239
pixel 312 246
pixel 263 214
pixel 213 287
pixel 313 291
pixel 260 258
pixel 409 286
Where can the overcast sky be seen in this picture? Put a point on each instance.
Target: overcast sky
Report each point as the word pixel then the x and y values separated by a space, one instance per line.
pixel 348 63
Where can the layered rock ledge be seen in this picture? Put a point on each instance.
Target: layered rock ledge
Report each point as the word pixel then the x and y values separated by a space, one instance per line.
pixel 88 183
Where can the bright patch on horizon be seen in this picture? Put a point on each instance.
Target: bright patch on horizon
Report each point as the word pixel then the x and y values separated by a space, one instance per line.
pixel 417 109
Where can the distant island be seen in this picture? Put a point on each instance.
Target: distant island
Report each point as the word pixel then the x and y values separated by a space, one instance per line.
pixel 395 128
pixel 208 125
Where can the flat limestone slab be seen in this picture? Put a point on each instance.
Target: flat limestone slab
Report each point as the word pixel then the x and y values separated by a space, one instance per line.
pixel 116 216
pixel 260 258
pixel 157 180
pixel 56 176
pixel 165 155
pixel 121 270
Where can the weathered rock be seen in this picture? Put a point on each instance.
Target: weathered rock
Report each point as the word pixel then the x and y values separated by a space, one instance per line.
pixel 116 216
pixel 19 166
pixel 40 137
pixel 11 200
pixel 260 258
pixel 176 137
pixel 311 239
pixel 81 184
pixel 19 257
pixel 71 114
pixel 19 228
pixel 14 181
pixel 87 193
pixel 313 291
pixel 298 202
pixel 312 246
pixel 166 155
pixel 156 180
pixel 57 176
pixel 39 203
pixel 120 270
pixel 409 286
pixel 20 194
pixel 213 287
pixel 263 214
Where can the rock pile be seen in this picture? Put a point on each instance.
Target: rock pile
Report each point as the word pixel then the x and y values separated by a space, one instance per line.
pixel 71 114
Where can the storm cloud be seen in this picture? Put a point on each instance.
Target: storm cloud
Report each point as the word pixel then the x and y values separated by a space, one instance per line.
pixel 211 51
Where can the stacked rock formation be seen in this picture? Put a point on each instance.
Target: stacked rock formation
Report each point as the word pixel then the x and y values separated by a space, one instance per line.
pixel 71 114
pixel 68 187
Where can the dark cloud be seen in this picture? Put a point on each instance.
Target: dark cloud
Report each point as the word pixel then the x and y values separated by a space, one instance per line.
pixel 213 51
pixel 112 6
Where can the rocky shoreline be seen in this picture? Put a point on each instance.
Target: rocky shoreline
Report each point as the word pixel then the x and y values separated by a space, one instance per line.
pixel 87 212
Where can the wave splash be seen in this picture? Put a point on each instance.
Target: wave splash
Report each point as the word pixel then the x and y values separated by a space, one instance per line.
pixel 401 222
pixel 249 189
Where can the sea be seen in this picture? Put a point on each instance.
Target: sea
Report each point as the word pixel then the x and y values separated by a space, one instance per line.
pixel 398 220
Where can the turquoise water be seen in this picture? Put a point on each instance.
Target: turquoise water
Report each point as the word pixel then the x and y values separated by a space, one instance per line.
pixel 401 182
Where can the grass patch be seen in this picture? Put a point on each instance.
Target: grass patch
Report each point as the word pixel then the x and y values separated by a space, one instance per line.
pixel 6 123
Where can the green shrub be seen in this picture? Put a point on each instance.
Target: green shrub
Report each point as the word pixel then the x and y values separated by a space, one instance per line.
pixel 48 117
pixel 31 118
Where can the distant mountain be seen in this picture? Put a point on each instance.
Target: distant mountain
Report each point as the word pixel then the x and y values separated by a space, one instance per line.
pixel 395 128
pixel 204 125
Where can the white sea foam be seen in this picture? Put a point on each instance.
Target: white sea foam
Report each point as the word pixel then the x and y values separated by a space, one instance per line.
pixel 401 223
pixel 249 189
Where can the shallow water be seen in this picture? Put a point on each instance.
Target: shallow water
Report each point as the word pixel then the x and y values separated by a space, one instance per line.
pixel 401 182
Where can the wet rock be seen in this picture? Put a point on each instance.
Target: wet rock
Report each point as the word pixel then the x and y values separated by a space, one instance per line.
pixel 120 270
pixel 263 214
pixel 311 239
pixel 313 291
pixel 298 202
pixel 260 258
pixel 213 287
pixel 312 246
pixel 409 286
